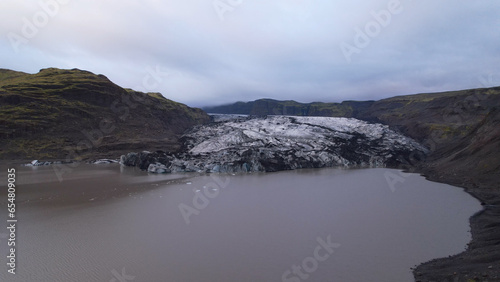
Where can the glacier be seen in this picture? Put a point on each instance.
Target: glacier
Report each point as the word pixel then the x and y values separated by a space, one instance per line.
pixel 273 143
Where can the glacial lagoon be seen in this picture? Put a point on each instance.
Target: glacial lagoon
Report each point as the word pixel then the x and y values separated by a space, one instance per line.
pixel 113 223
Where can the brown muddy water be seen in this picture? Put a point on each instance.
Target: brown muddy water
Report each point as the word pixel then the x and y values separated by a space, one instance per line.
pixel 110 223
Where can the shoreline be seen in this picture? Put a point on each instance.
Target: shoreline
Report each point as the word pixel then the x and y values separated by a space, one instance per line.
pixel 481 259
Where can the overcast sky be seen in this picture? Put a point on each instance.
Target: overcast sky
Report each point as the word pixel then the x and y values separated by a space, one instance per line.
pixel 206 52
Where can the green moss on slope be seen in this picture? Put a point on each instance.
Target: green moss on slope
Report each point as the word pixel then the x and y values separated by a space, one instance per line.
pixel 39 110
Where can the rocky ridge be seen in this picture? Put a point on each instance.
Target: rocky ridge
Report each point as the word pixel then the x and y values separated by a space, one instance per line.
pixel 273 143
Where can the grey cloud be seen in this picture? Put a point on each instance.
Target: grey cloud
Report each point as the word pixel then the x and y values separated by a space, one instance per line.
pixel 284 49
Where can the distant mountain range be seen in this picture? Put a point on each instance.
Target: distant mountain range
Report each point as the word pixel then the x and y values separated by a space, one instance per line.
pixel 274 107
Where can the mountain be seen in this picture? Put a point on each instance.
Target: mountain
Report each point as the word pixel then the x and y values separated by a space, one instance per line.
pixel 475 154
pixel 77 114
pixel 274 107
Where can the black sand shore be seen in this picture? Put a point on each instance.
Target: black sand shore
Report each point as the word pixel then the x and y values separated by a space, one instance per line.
pixel 481 260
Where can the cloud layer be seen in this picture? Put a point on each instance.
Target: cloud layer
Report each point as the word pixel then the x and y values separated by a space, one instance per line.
pixel 208 52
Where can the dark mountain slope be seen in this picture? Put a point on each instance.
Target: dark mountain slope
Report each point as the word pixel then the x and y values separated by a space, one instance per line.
pixel 77 114
pixel 435 118
pixel 472 162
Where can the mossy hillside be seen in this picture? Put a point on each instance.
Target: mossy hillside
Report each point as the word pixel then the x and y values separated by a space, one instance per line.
pixel 55 107
pixel 9 74
pixel 436 118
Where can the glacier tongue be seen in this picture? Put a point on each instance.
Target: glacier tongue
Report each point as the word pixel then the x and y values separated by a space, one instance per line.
pixel 272 143
pixel 285 142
